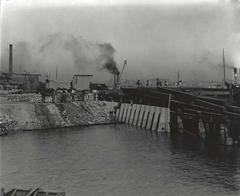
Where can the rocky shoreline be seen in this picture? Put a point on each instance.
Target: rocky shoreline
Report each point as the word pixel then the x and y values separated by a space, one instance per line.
pixel 36 115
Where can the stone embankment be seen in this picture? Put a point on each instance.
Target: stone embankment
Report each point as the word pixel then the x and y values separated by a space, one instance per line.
pixel 37 115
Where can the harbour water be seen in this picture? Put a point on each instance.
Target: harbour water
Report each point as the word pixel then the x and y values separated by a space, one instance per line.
pixel 118 160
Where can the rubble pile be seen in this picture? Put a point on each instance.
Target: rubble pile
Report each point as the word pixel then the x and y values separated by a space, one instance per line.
pixel 56 116
pixel 30 97
pixel 85 113
pixel 98 110
pixel 33 115
pixel 7 122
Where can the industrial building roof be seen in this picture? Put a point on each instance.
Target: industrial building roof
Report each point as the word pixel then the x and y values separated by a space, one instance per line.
pixel 28 74
pixel 82 75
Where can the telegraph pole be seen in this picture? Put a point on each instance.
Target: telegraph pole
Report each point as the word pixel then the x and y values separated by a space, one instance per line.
pixel 178 77
pixel 224 68
pixel 56 72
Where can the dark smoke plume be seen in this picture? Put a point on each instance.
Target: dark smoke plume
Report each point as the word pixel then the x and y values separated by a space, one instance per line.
pixel 84 53
pixel 107 58
pixel 70 53
pixel 110 65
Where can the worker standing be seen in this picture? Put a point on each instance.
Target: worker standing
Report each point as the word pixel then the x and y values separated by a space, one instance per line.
pixel 138 83
pixel 147 84
pixel 157 82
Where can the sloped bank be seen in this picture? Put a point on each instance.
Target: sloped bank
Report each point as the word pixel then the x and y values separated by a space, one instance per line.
pixel 30 116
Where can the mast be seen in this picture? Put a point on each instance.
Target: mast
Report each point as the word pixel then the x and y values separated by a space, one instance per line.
pixel 56 72
pixel 224 68
pixel 178 78
pixel 10 58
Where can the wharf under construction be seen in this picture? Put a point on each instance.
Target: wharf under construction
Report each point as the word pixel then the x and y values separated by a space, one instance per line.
pixel 211 113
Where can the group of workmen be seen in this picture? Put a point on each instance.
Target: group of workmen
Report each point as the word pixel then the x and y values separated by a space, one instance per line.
pixel 158 83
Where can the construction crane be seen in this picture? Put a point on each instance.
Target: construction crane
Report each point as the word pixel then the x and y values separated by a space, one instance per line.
pixel 120 76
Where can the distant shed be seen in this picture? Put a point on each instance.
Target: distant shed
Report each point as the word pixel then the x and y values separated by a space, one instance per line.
pixel 81 81
pixel 58 84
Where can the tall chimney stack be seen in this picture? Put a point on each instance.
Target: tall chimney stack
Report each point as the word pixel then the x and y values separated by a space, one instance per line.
pixel 10 58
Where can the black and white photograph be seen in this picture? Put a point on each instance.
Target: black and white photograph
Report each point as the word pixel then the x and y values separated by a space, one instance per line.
pixel 119 97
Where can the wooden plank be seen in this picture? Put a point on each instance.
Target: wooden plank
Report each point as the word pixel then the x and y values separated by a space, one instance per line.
pixel 208 104
pixel 125 118
pixel 32 191
pixel 148 114
pixel 134 114
pixel 123 110
pixel 35 194
pixel 180 105
pixel 153 116
pixel 139 112
pixel 130 113
pixel 234 109
pixel 232 114
pixel 60 194
pixel 158 120
pixel 143 116
pixel 14 192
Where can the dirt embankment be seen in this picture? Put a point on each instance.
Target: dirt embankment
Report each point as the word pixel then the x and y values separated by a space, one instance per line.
pixel 30 116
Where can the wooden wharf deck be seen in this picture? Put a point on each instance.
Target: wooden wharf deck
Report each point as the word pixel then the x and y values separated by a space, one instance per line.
pixel 211 115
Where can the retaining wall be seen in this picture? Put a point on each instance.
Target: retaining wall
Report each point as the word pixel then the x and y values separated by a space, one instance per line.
pixel 30 116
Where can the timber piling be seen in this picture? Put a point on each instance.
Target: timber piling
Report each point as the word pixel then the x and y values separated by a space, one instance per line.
pixel 165 109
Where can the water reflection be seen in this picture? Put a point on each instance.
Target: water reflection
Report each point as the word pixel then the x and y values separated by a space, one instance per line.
pixel 118 160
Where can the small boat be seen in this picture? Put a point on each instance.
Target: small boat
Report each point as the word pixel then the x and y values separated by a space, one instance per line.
pixel 31 192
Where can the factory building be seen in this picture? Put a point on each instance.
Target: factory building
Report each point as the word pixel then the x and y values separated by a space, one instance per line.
pixel 81 81
pixel 25 81
pixel 28 82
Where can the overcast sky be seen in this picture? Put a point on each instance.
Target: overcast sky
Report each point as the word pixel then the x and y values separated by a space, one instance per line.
pixel 25 3
pixel 158 38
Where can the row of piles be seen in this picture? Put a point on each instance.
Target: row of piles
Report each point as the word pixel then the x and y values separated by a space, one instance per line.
pixel 144 116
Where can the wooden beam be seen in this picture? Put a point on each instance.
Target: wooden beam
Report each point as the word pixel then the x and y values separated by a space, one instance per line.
pixel 182 105
pixel 209 104
pixel 32 191
pixel 14 192
pixel 60 194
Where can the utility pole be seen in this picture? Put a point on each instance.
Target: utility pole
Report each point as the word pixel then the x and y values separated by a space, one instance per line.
pixel 235 75
pixel 178 77
pixel 224 68
pixel 10 58
pixel 56 72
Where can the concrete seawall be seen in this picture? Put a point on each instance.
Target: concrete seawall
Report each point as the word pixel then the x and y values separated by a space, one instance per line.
pixel 30 116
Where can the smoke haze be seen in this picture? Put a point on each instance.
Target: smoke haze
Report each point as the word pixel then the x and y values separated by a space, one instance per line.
pixel 69 53
pixel 157 41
